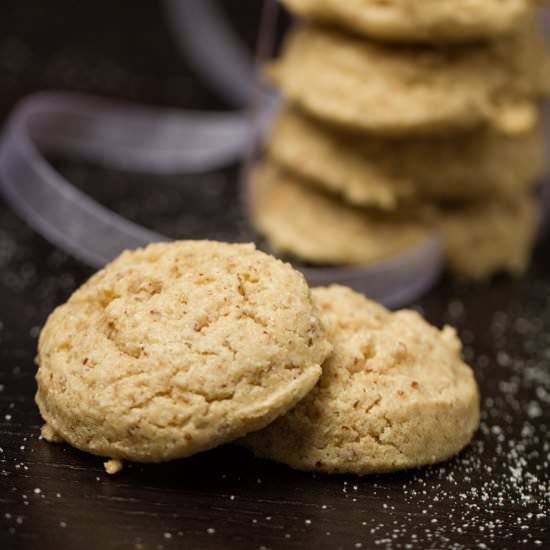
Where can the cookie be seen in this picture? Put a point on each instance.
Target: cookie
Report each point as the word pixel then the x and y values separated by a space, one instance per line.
pixel 419 21
pixel 394 394
pixel 176 348
pixel 302 221
pixel 480 238
pixel 370 171
pixel 486 237
pixel 404 90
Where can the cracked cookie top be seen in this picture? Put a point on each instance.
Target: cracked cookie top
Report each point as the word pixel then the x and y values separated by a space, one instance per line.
pixel 394 394
pixel 176 348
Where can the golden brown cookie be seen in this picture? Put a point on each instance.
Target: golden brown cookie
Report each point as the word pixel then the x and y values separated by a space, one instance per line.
pixel 485 237
pixel 480 238
pixel 176 348
pixel 370 171
pixel 394 394
pixel 419 20
pixel 403 90
pixel 302 221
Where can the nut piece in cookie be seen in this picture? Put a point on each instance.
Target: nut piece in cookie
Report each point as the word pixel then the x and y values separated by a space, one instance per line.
pixel 394 394
pixel 176 348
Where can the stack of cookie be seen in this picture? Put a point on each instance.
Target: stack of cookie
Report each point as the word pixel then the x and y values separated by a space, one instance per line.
pixel 402 116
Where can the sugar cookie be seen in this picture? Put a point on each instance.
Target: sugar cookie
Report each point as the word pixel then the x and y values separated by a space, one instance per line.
pixel 370 171
pixel 404 90
pixel 480 238
pixel 176 348
pixel 300 220
pixel 394 394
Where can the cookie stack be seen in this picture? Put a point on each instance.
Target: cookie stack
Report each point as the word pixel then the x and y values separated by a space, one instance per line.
pixel 180 347
pixel 402 116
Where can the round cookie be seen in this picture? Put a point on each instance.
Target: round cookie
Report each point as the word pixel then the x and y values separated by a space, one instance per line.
pixel 370 171
pixel 302 221
pixel 404 90
pixel 494 235
pixel 419 20
pixel 176 348
pixel 480 238
pixel 394 394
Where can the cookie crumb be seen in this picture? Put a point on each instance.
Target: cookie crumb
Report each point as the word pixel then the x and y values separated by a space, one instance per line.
pixel 49 434
pixel 113 466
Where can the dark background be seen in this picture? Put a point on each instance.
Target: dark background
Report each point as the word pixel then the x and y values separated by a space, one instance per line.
pixel 494 495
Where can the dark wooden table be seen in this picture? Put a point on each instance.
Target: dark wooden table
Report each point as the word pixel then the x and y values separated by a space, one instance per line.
pixel 496 494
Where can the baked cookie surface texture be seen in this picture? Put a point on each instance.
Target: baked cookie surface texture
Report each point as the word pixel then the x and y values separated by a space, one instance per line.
pixel 176 348
pixel 394 394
